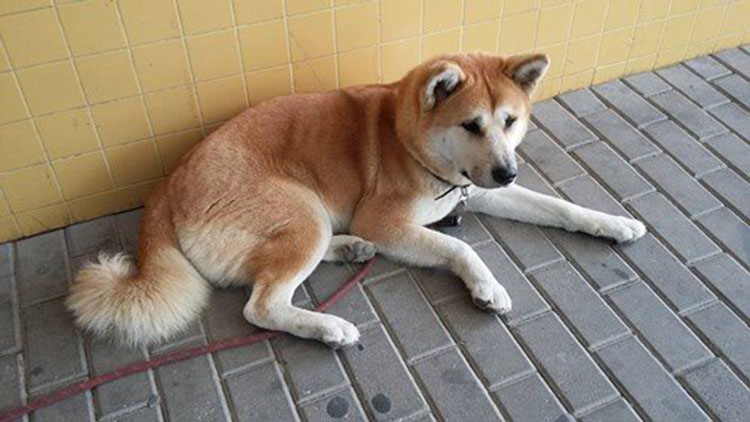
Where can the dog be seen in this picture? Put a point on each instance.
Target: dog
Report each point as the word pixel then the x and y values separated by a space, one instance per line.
pixel 332 176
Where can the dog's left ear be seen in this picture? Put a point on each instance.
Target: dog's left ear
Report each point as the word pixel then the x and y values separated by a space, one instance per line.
pixel 442 80
pixel 526 70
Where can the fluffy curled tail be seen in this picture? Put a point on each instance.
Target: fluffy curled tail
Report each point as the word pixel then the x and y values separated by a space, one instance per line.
pixel 110 298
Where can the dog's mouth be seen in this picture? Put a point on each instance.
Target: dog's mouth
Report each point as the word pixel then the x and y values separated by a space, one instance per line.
pixel 465 174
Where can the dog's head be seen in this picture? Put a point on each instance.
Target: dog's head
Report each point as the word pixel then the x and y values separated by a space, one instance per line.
pixel 463 115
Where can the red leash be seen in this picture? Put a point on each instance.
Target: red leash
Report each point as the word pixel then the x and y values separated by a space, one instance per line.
pixel 229 343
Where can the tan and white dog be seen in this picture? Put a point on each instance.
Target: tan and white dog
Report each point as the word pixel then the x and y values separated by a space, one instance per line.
pixel 332 176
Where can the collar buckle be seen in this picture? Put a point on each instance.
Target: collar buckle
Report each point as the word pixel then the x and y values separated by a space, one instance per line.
pixel 464 194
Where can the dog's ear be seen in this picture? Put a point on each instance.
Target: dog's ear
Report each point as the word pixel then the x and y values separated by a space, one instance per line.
pixel 442 80
pixel 526 70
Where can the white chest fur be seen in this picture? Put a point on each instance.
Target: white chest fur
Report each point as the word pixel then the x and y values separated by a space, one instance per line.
pixel 427 209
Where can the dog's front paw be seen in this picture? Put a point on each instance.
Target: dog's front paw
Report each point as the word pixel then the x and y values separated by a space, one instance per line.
pixel 621 229
pixel 359 251
pixel 492 297
pixel 337 332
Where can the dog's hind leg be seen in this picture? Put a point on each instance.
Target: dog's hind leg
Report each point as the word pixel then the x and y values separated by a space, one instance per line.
pixel 348 248
pixel 278 265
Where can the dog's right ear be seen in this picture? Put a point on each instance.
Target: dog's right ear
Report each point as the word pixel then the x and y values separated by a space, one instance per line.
pixel 526 70
pixel 442 80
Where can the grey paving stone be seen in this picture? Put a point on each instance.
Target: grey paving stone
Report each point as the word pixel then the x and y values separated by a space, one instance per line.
pixel 675 182
pixel 549 158
pixel 128 224
pixel 736 59
pixel 688 241
pixel 561 124
pixel 746 48
pixel 731 232
pixel 721 391
pixel 525 242
pixel 731 188
pixel 579 305
pixel 260 394
pixel 223 319
pixel 423 418
pixel 311 367
pixel 453 388
pixel 354 307
pixel 438 284
pixel 300 298
pixel 76 408
pixel 622 180
pixel 707 67
pixel 581 102
pixel 92 237
pixel 340 406
pixel 530 179
pixel 145 414
pixel 673 341
pixel 382 267
pixel 121 394
pixel 688 152
pixel 11 388
pixel 697 121
pixel 8 316
pixel 620 135
pixel 409 317
pixel 526 300
pixel 566 363
pixel 53 350
pixel 190 391
pixel 529 399
pixel 736 87
pixel 656 393
pixel 6 259
pixel 726 333
pixel 470 230
pixel 593 257
pixel 636 109
pixel 586 192
pixel 675 282
pixel 735 117
pixel 692 86
pixel 730 279
pixel 42 267
pixel 647 83
pixel 619 411
pixel 77 263
pixel 732 150
pixel 382 379
pixel 193 335
pixel 486 342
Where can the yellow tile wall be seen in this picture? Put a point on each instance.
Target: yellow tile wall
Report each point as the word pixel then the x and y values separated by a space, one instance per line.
pixel 99 98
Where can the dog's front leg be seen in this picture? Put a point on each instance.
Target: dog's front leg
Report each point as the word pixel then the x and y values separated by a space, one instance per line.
pixel 521 204
pixel 417 245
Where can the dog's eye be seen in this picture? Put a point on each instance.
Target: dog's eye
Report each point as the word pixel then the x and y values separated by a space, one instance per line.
pixel 472 126
pixel 509 121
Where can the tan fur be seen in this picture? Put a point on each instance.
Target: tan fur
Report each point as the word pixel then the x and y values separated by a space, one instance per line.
pixel 260 198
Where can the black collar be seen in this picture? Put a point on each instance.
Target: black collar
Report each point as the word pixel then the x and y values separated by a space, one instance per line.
pixel 464 188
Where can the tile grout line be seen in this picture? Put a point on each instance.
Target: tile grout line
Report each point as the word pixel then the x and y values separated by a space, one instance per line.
pixel 191 73
pixel 141 94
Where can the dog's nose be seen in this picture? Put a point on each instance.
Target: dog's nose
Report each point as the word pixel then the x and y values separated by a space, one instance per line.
pixel 504 175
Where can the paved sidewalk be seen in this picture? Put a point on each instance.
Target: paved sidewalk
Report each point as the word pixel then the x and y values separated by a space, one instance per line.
pixel 655 330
